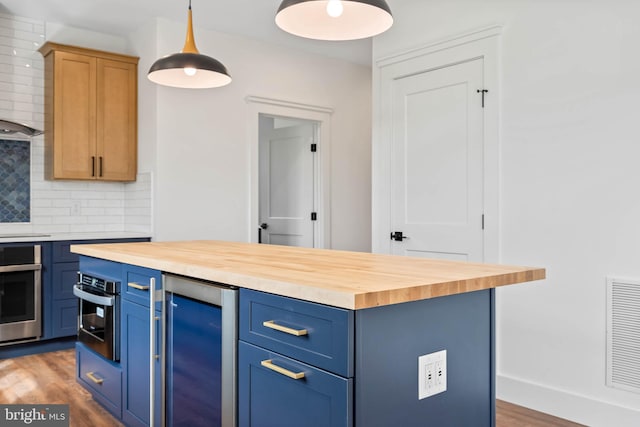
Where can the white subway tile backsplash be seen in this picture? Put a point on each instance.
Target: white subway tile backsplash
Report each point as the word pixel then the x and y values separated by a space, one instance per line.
pixel 70 220
pixel 59 206
pixel 16 97
pixel 23 106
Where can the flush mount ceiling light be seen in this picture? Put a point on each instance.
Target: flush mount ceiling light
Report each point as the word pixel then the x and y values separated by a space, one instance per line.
pixel 189 68
pixel 334 19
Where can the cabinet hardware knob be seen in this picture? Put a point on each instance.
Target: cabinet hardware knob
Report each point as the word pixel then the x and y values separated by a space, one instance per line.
pixel 271 324
pixel 287 373
pixel 93 378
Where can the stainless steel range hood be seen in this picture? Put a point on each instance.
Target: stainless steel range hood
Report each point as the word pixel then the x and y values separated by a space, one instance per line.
pixel 8 127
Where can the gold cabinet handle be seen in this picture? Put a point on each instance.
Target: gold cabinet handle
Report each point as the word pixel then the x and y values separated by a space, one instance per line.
pixel 95 379
pixel 287 373
pixel 271 324
pixel 138 286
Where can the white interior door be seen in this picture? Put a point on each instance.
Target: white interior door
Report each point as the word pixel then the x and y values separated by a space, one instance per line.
pixel 287 170
pixel 437 163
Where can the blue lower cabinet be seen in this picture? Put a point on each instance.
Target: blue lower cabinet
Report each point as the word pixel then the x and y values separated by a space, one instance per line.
pixel 64 319
pixel 101 377
pixel 135 361
pixel 268 397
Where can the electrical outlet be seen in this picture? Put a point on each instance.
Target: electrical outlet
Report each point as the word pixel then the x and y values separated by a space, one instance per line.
pixel 432 374
pixel 75 208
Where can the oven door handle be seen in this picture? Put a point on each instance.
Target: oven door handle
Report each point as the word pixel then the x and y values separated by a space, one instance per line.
pixel 20 267
pixel 96 299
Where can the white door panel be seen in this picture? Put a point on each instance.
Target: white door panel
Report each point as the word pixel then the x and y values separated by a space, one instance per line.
pixel 437 163
pixel 287 185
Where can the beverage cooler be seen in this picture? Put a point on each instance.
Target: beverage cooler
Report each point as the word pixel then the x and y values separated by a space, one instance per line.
pixel 200 371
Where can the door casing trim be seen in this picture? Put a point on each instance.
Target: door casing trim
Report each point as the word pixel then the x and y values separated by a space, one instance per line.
pixel 322 115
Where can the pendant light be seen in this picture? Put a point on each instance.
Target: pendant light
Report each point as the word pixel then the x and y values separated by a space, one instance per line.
pixel 334 19
pixel 189 68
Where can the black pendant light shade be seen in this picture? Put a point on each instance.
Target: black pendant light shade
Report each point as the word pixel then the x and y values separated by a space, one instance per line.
pixel 334 19
pixel 176 70
pixel 189 68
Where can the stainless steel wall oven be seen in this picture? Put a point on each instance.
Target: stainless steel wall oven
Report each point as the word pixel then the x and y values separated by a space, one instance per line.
pixel 99 318
pixel 20 294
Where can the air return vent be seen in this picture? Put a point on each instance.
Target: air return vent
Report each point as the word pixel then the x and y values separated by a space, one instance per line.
pixel 623 334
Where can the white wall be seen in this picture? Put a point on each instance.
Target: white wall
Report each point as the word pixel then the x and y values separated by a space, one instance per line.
pixel 202 169
pixel 570 199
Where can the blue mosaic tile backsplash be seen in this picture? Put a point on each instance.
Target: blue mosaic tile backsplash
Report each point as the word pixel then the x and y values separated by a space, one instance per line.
pixel 15 184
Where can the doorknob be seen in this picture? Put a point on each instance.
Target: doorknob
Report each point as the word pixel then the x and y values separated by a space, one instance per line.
pixel 264 225
pixel 397 236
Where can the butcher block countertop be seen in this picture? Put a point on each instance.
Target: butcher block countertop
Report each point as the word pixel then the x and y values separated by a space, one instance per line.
pixel 352 280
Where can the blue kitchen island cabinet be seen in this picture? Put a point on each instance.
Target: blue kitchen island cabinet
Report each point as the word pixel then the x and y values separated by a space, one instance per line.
pixel 295 362
pixel 360 368
pixel 123 386
pixel 135 356
pixel 332 338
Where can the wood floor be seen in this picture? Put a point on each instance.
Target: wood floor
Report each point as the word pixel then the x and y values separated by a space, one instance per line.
pixel 49 378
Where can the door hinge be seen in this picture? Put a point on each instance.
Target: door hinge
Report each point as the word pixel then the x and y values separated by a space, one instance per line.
pixel 314 148
pixel 483 221
pixel 482 91
pixel 314 216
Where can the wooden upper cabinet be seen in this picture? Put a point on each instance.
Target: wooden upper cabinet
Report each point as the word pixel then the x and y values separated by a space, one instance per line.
pixel 90 114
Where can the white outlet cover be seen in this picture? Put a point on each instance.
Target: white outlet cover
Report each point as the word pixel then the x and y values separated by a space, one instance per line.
pixel 432 374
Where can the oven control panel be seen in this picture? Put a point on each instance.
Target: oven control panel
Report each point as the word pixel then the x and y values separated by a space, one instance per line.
pixel 98 283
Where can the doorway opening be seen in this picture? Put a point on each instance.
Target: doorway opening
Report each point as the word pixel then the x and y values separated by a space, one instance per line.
pixel 290 149
pixel 288 174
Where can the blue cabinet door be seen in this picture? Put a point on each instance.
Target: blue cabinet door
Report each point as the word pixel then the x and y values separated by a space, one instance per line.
pixel 267 398
pixel 64 320
pixel 64 315
pixel 135 361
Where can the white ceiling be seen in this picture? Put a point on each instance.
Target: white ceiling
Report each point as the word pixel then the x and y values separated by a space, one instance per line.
pixel 252 18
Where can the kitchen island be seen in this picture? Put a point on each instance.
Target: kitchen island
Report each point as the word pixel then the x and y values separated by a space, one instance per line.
pixel 339 338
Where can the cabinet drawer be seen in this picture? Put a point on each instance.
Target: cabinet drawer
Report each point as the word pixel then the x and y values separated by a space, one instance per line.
pixel 101 377
pixel 267 397
pixel 326 333
pixel 137 284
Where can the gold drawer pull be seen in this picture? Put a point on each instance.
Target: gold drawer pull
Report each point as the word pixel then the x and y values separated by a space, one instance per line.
pixel 287 373
pixel 95 379
pixel 273 325
pixel 138 286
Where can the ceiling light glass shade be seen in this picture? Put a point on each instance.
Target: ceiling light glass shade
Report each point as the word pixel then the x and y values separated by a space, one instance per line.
pixel 333 19
pixel 189 68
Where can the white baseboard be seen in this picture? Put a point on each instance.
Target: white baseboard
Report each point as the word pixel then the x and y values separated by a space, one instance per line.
pixel 563 404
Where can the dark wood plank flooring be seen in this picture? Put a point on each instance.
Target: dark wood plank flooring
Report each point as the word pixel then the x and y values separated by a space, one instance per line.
pixel 49 378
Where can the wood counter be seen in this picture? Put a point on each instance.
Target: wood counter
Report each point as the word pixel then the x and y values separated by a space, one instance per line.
pixel 352 280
